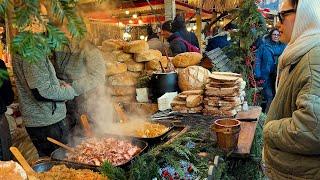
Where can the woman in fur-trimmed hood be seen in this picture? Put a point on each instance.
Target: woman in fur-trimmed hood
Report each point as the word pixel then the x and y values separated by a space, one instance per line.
pixel 292 128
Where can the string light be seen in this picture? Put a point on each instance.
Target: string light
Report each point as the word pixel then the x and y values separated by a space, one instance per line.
pixel 140 21
pixel 189 29
pixel 121 24
pixel 142 37
pixel 194 28
pixel 127 12
pixel 135 16
pixel 130 21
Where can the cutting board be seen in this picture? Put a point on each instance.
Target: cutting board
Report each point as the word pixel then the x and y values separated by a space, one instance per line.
pixel 245 140
pixel 249 120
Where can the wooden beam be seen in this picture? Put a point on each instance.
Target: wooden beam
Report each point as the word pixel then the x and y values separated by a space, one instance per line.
pixel 199 25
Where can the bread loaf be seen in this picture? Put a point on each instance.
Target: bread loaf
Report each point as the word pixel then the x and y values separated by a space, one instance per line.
pixel 193 78
pixel 178 103
pixel 136 46
pixel 194 101
pixel 134 66
pixel 122 90
pixel 233 91
pixel 187 59
pixel 10 170
pixel 109 56
pixel 115 68
pixel 112 45
pixel 123 57
pixel 148 55
pixel 224 77
pixel 123 79
pixel 192 92
pixel 155 65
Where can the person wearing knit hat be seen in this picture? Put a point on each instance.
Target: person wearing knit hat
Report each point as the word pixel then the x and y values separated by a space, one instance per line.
pixel 292 128
pixel 176 46
pixel 179 29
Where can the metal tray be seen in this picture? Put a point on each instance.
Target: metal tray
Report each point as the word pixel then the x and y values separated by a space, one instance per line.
pixel 45 165
pixel 60 154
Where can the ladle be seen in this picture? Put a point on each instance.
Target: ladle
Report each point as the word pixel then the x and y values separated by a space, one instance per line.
pixel 162 69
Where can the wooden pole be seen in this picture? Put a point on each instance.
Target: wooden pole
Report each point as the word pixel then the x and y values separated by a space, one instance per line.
pixel 199 25
pixel 9 30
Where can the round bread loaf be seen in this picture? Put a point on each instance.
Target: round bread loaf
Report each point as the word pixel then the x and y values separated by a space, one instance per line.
pixel 10 170
pixel 135 66
pixel 155 65
pixel 122 90
pixel 112 45
pixel 109 56
pixel 115 68
pixel 136 46
pixel 193 78
pixel 147 55
pixel 123 79
pixel 123 57
pixel 187 59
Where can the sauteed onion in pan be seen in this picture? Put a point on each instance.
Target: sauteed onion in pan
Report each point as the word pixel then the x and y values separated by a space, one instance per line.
pixel 150 130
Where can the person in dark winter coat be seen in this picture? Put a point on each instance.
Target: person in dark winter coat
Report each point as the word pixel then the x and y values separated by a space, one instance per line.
pixel 176 45
pixel 266 64
pixel 222 39
pixel 179 29
pixel 6 98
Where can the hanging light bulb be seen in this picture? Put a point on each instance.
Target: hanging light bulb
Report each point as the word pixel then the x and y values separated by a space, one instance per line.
pixel 142 37
pixel 121 24
pixel 140 21
pixel 135 16
pixel 130 21
pixel 127 12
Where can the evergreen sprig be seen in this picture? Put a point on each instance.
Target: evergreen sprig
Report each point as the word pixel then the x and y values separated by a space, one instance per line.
pixel 31 46
pixel 56 38
pixel 3 76
pixel 251 26
pixel 26 12
pixel 113 173
pixel 4 4
pixel 34 46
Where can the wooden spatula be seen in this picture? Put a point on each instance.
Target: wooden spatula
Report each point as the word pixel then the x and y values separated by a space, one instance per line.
pixel 122 116
pixel 68 148
pixel 86 127
pixel 23 162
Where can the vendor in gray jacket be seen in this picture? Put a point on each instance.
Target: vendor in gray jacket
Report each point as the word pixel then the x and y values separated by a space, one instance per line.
pixel 82 65
pixel 42 101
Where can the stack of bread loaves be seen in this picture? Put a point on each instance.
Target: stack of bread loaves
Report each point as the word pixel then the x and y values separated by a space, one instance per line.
pixel 222 94
pixel 125 61
pixel 121 82
pixel 188 102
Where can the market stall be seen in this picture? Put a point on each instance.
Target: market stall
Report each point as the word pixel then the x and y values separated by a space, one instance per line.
pixel 159 115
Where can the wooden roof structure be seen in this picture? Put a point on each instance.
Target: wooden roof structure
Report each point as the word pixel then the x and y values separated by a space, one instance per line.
pixel 113 12
pixel 215 5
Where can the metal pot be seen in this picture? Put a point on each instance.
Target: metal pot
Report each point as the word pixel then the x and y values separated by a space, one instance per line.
pixel 162 83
